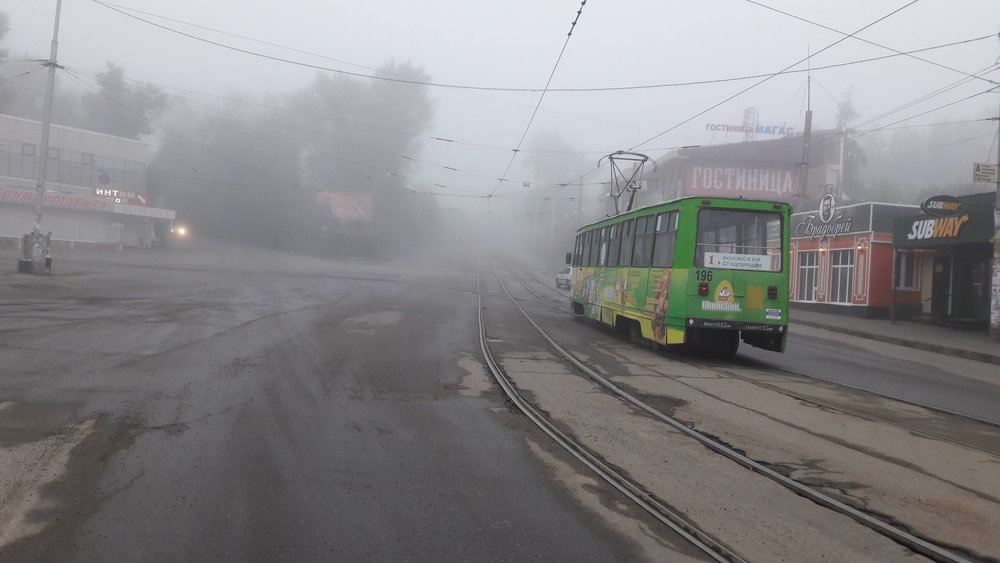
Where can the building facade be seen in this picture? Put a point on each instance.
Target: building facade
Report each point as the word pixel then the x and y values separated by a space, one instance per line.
pixel 95 186
pixel 945 251
pixel 842 259
pixel 771 170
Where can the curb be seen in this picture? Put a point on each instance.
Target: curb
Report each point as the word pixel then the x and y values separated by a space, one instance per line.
pixel 947 350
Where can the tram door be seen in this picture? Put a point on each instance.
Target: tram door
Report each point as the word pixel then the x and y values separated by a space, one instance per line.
pixel 941 287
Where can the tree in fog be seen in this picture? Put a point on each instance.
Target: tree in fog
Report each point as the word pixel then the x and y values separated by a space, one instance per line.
pixel 23 83
pixel 356 131
pixel 252 172
pixel 552 163
pixel 362 136
pixel 4 28
pixel 5 92
pixel 118 109
pixel 232 175
pixel 907 163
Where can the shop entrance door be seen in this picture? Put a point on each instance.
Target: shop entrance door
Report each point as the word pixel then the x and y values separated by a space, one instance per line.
pixel 941 287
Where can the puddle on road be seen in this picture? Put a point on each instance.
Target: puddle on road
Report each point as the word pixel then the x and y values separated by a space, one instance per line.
pixel 476 382
pixel 377 318
pixel 365 324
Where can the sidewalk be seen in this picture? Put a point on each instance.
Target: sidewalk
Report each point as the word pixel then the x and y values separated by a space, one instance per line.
pixel 971 344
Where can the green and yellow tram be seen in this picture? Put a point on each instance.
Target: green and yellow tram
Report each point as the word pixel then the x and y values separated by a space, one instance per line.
pixel 704 273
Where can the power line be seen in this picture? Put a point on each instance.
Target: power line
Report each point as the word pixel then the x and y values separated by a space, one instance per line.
pixel 540 97
pixel 769 77
pixel 122 10
pixel 908 54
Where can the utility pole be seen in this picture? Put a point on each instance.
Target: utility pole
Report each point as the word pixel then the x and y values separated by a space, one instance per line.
pixel 37 243
pixel 806 134
pixel 995 286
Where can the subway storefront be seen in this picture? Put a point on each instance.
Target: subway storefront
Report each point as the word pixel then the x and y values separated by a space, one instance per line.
pixel 945 253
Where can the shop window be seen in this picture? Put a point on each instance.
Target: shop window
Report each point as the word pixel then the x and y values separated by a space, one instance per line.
pixel 842 279
pixel 906 271
pixel 808 274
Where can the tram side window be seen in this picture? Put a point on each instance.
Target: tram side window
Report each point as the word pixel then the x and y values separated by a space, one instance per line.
pixel 578 251
pixel 585 259
pixel 615 248
pixel 665 239
pixel 628 233
pixel 595 247
pixel 642 250
pixel 602 257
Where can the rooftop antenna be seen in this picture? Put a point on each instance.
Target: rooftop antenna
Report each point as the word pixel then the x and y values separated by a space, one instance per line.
pixel 750 124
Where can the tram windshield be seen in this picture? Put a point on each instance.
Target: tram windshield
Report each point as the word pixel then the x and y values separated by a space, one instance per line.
pixel 738 240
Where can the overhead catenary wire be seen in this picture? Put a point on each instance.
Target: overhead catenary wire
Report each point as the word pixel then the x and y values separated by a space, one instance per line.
pixel 125 11
pixel 910 54
pixel 770 76
pixel 541 96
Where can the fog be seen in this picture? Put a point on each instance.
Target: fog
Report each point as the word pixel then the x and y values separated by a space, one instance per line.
pixel 436 109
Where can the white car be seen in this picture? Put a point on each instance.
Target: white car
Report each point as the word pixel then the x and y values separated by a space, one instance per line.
pixel 565 277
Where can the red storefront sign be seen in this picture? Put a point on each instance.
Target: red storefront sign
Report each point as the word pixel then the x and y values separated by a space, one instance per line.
pixel 733 181
pixel 56 200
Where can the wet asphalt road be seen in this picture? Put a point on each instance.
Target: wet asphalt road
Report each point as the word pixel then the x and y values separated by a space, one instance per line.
pixel 957 385
pixel 262 407
pixel 242 405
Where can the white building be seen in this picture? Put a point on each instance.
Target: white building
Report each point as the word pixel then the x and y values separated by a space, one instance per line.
pixel 95 188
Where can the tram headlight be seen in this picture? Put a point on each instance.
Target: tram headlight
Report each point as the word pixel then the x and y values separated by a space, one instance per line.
pixel 703 289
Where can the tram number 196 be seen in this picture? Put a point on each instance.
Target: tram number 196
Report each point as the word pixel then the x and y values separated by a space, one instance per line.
pixel 703 275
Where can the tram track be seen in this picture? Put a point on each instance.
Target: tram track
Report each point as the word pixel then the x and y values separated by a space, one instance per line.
pixel 810 398
pixel 672 519
pixel 896 533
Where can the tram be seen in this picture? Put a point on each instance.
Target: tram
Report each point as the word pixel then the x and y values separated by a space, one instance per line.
pixel 699 273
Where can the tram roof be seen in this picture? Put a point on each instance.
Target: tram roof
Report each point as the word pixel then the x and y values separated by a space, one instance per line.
pixel 744 203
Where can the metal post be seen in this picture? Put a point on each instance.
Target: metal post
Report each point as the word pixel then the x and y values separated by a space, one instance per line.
pixel 46 124
pixel 995 287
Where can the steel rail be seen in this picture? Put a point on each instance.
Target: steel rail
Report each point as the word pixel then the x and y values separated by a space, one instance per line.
pixel 676 522
pixel 898 535
pixel 819 402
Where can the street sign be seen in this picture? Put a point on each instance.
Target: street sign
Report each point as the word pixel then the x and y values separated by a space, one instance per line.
pixel 984 173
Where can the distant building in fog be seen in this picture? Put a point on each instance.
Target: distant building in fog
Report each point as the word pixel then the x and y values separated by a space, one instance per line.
pixel 95 189
pixel 767 169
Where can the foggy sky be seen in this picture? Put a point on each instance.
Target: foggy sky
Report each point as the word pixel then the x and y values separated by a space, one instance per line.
pixel 515 44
